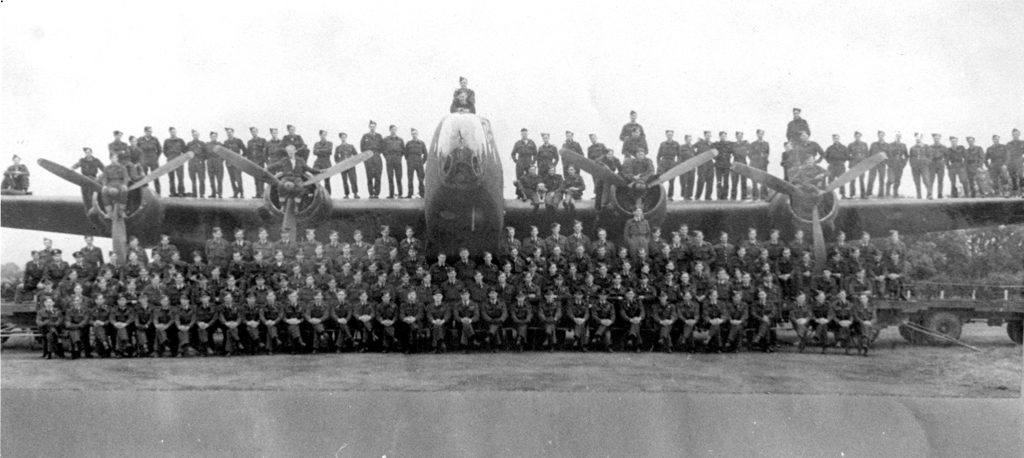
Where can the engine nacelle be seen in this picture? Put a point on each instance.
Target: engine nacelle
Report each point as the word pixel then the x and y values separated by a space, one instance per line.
pixel 314 203
pixel 144 214
pixel 789 214
pixel 653 201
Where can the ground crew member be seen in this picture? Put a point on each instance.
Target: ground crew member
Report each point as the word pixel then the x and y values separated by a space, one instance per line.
pixel 150 160
pixel 880 146
pixel 322 150
pixel 668 155
pixel 373 141
pixel 118 147
pixel 632 311
pixel 858 152
pixel 348 178
pixel 196 167
pixel 956 156
pixel 722 162
pixel 464 99
pixel 207 319
pixel 256 152
pixel 1015 162
pixel 974 158
pixel 415 157
pixel 215 167
pixel 797 125
pixel 633 134
pixel 394 149
pixel 937 170
pixel 90 166
pixel 759 151
pixel 547 155
pixel 897 152
pixel 292 315
pixel 316 313
pixel 837 155
pixel 234 175
pixel 920 162
pixel 603 194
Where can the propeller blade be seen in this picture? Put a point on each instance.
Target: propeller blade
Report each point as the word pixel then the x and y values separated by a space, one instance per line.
pixel 67 174
pixel 819 240
pixel 118 233
pixel 688 165
pixel 856 171
pixel 763 177
pixel 288 223
pixel 594 168
pixel 339 168
pixel 168 167
pixel 245 165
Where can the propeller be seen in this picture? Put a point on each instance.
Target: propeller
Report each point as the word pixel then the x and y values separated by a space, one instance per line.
pixel 339 168
pixel 804 196
pixel 596 169
pixel 115 195
pixel 686 166
pixel 290 188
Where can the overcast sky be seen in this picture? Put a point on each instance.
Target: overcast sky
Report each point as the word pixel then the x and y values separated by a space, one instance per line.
pixel 73 73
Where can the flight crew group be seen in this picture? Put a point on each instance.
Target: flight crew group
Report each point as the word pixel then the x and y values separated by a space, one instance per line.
pixel 546 292
pixel 972 171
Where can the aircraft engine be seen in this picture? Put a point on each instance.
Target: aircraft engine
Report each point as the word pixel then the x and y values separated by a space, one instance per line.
pixel 624 201
pixel 311 201
pixel 144 213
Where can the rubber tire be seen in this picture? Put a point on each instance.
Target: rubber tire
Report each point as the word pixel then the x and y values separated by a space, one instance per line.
pixel 1015 329
pixel 910 335
pixel 945 323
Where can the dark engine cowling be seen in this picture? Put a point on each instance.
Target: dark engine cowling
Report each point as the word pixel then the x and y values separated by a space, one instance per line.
pixel 789 214
pixel 144 214
pixel 314 203
pixel 653 200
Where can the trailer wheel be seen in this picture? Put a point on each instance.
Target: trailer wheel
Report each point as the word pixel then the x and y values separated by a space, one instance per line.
pixel 1015 329
pixel 945 323
pixel 909 335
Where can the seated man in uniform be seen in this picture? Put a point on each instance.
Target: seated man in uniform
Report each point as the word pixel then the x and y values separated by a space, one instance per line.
pixel 464 99
pixel 16 176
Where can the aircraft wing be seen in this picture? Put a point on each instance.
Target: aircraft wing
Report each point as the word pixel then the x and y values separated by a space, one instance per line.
pixel 914 216
pixel 63 214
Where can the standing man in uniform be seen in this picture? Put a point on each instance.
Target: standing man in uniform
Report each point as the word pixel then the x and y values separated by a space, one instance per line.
pixel 740 152
pixel 196 167
pixel 275 148
pixel 881 146
pixel 955 157
pixel 547 155
pixel 897 163
pixel 394 148
pixel 1015 162
pixel 668 154
pixel 937 171
pixel 686 180
pixel 571 145
pixel 214 167
pixel 117 147
pixel 722 162
pixel 836 155
pixel 257 153
pixel 293 139
pixel 322 150
pixel 372 141
pixel 90 166
pixel 974 158
pixel 237 146
pixel 796 126
pixel 415 156
pixel 706 171
pixel 858 152
pixel 175 146
pixel 919 163
pixel 629 129
pixel 759 153
pixel 523 154
pixel 996 156
pixel 348 177
pixel 150 147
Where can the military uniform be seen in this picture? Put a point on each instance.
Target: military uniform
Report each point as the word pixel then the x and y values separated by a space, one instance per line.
pixel 705 172
pixel 196 170
pixel 759 152
pixel 996 156
pixel 858 152
pixel 837 155
pixel 90 167
pixel 879 170
pixel 150 160
pixel 374 165
pixel 234 175
pixel 920 161
pixel 574 146
pixel 974 158
pixel 955 162
pixel 394 149
pixel 301 150
pixel 348 178
pixel 215 169
pixel 668 157
pixel 524 153
pixel 937 169
pixel 740 152
pixel 323 150
pixel 415 156
pixel 1015 164
pixel 257 154
pixel 722 172
pixel 897 163
pixel 547 158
